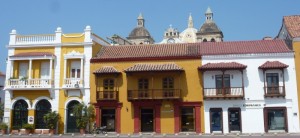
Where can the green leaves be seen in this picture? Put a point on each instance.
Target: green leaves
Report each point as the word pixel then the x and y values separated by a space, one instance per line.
pixel 84 114
pixel 51 119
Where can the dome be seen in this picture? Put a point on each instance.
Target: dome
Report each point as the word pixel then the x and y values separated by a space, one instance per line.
pixel 209 27
pixel 139 32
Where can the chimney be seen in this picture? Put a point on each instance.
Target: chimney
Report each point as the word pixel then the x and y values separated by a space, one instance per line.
pixel 267 38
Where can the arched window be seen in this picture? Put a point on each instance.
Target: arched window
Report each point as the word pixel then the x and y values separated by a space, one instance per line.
pixel 71 120
pixel 42 107
pixel 212 40
pixel 204 40
pixel 20 113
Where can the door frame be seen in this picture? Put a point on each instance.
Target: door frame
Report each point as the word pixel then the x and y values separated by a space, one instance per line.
pixel 153 118
pixel 266 117
pixel 210 118
pixel 101 113
pixel 180 118
pixel 240 118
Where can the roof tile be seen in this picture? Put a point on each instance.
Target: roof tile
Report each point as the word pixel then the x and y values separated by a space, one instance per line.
pixel 273 65
pixel 292 24
pixel 222 65
pixel 154 67
pixel 188 50
pixel 107 70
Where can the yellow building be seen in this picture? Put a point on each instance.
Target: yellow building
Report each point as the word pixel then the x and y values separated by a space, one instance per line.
pixel 48 73
pixel 144 88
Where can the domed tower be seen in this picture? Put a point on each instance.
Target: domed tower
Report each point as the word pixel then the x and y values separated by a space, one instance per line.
pixel 209 31
pixel 189 34
pixel 140 35
pixel 171 35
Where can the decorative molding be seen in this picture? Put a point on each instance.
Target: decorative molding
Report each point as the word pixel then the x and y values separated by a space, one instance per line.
pixel 20 98
pixel 73 36
pixel 41 98
pixel 73 54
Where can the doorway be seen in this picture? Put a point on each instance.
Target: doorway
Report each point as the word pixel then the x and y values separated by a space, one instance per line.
pixel 108 119
pixel 147 122
pixel 187 119
pixel 216 120
pixel 234 119
pixel 71 120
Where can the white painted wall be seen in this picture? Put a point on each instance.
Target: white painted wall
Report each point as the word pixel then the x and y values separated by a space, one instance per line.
pixel 252 117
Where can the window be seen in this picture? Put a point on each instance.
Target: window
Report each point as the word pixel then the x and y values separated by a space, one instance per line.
pixel 213 40
pixel 168 86
pixel 168 83
pixel 143 84
pixel 272 83
pixel 275 118
pixel 108 85
pixel 272 79
pixel 223 83
pixel 204 40
pixel 75 69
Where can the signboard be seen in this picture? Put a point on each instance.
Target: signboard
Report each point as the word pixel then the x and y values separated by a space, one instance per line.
pixel 253 105
pixel 30 119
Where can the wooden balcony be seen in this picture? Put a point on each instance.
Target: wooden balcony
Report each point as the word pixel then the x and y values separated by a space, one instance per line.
pixel 15 84
pixel 232 92
pixel 154 94
pixel 107 95
pixel 275 91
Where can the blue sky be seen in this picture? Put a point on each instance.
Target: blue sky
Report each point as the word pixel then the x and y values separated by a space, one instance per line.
pixel 238 19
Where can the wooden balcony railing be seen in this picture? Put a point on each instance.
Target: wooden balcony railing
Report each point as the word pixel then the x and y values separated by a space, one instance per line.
pixel 231 92
pixel 274 91
pixel 154 94
pixel 107 95
pixel 29 83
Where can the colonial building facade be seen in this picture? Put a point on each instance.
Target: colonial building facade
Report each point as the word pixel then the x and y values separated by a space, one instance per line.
pixel 48 73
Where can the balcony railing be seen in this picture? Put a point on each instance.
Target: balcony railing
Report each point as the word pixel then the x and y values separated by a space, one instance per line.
pixel 29 83
pixel 73 83
pixel 274 91
pixel 153 94
pixel 107 95
pixel 231 92
pixel 26 39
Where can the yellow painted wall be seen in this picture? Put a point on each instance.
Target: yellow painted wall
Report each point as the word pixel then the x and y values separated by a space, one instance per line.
pixel 189 84
pixel 296 48
pixel 35 49
pixel 96 48
pixel 72 38
pixel 30 94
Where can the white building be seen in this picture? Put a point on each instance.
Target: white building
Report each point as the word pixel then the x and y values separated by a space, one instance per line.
pixel 249 87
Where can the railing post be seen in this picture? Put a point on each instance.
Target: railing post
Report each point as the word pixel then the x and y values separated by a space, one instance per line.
pixel 12 39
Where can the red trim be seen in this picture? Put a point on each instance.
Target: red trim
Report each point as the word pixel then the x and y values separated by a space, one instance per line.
pixel 197 107
pixel 115 105
pixel 98 116
pixel 198 119
pixel 156 105
pixel 95 60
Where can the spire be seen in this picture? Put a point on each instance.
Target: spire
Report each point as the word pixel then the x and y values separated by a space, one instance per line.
pixel 190 23
pixel 141 21
pixel 209 15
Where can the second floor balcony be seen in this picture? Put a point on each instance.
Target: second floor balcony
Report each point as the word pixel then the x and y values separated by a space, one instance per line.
pixel 73 83
pixel 29 84
pixel 154 94
pixel 230 92
pixel 107 95
pixel 274 91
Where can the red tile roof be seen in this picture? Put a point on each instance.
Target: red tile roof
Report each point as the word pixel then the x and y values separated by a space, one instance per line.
pixel 107 70
pixel 188 50
pixel 30 54
pixel 292 24
pixel 154 67
pixel 222 65
pixel 273 65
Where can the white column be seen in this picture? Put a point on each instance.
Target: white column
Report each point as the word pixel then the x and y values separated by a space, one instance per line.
pixel 11 65
pixel 81 68
pixel 30 68
pixel 65 69
pixel 50 70
pixel 58 33
pixel 12 39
